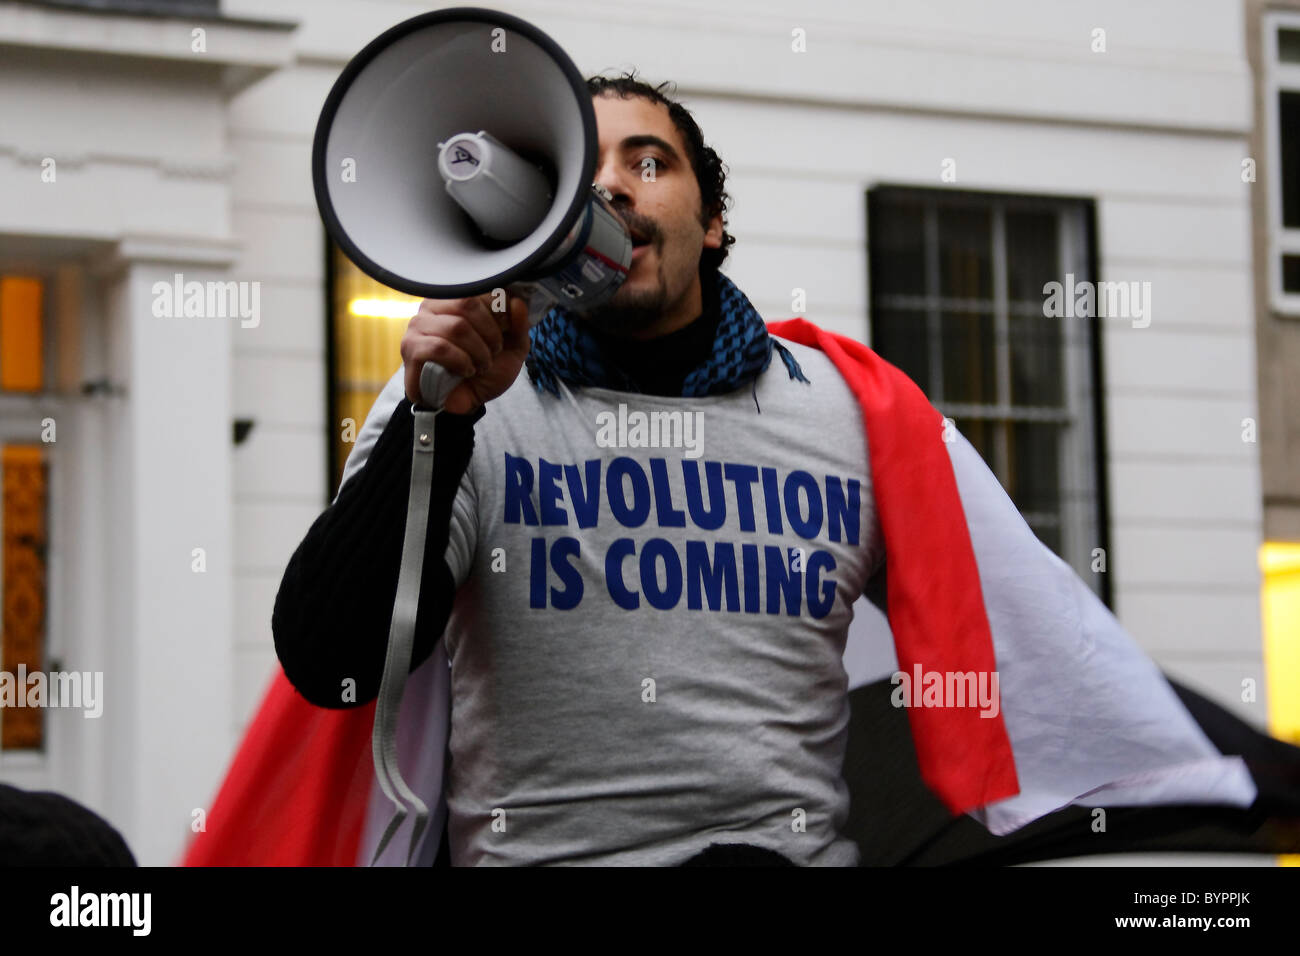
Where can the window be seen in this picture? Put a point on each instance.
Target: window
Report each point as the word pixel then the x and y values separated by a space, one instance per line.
pixel 24 491
pixel 22 366
pixel 957 303
pixel 1281 163
pixel 24 475
pixel 367 321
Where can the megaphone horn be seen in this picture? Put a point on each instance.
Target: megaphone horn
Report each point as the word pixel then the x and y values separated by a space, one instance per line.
pixel 455 154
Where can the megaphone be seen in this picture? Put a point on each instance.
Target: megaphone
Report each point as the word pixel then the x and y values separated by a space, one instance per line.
pixel 454 156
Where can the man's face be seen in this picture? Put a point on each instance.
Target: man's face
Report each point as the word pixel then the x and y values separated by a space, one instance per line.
pixel 659 201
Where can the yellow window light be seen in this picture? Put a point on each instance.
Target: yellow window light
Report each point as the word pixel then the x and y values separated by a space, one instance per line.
pixel 1280 563
pixel 383 308
pixel 21 348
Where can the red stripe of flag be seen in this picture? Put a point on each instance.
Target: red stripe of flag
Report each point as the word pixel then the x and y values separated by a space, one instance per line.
pixel 297 790
pixel 936 606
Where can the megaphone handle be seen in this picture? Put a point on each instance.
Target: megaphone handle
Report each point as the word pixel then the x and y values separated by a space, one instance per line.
pixel 436 383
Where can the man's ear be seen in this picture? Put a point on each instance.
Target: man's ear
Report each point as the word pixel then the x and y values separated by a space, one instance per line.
pixel 713 232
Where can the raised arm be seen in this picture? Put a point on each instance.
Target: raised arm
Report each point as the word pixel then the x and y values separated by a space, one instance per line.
pixel 335 602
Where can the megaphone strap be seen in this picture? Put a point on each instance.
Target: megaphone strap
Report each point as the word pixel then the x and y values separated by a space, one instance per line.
pixel 401 640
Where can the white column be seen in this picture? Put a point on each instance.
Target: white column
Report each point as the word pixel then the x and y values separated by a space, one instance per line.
pixel 168 677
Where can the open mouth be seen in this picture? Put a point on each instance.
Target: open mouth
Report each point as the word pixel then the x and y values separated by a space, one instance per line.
pixel 639 237
pixel 639 245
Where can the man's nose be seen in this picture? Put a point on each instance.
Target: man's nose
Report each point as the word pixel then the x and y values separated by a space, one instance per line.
pixel 616 179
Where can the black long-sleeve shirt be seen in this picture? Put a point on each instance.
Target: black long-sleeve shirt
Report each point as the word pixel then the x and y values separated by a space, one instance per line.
pixel 335 603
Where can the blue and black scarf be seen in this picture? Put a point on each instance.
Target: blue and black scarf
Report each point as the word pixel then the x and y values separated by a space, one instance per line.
pixel 564 350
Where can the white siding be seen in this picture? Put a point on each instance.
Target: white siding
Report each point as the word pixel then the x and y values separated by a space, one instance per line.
pixel 137 130
pixel 279 369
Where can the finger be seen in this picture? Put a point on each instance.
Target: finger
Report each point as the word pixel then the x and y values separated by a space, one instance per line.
pixel 432 315
pixel 477 315
pixel 517 339
pixel 461 400
pixel 412 380
pixel 461 331
pixel 440 351
pixel 486 322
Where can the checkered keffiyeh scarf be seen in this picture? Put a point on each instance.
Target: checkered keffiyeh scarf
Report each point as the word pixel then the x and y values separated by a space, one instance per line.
pixel 564 350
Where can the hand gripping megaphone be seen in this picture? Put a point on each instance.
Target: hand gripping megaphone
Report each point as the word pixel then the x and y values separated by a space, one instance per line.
pixel 455 155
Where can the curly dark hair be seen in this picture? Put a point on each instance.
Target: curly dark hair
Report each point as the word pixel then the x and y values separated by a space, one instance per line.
pixel 708 167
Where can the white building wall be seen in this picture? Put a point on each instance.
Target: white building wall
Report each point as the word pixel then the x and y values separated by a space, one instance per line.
pixel 279 371
pixel 134 120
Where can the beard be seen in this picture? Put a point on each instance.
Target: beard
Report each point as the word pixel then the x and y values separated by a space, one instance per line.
pixel 629 311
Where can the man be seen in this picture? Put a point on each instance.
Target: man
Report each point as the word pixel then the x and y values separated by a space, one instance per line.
pixel 645 639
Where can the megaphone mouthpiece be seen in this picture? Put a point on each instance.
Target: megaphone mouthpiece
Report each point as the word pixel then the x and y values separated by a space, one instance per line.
pixel 505 195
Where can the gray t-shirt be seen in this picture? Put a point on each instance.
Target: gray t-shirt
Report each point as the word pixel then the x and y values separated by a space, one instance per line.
pixel 653 600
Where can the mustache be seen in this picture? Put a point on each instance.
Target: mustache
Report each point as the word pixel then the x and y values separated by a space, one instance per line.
pixel 640 225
